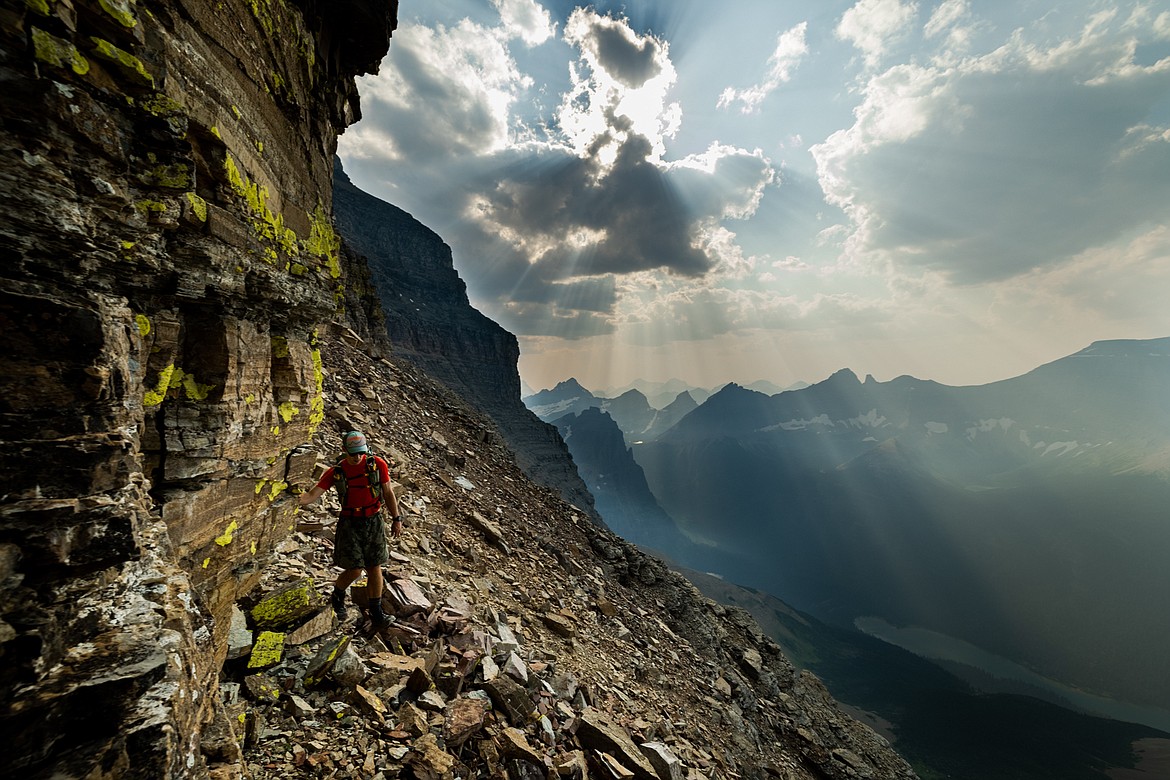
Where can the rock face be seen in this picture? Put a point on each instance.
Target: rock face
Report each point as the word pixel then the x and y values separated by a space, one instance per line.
pixel 433 325
pixel 168 255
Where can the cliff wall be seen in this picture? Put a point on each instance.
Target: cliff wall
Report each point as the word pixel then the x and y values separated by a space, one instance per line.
pixel 168 256
pixel 433 325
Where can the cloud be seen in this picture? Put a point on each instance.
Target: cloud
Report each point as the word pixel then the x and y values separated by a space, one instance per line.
pixel 724 182
pixel 574 216
pixel 559 323
pixel 952 25
pixel 442 93
pixel 610 46
pixel 549 230
pixel 1015 160
pixel 698 313
pixel 872 26
pixel 526 20
pixel 790 50
pixel 619 87
pixel 945 16
pixel 1112 283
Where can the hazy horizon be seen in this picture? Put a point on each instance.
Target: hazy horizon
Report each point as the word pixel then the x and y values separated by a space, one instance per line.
pixel 748 382
pixel 949 190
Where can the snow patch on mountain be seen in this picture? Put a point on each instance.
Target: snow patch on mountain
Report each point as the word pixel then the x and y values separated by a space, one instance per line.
pixel 990 425
pixel 936 427
pixel 800 425
pixel 870 419
pixel 1060 448
pixel 554 410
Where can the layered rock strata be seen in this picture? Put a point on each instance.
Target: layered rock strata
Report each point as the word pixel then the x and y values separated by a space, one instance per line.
pixel 432 324
pixel 168 256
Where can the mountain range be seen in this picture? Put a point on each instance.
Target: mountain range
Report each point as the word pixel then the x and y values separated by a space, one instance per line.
pixel 1025 517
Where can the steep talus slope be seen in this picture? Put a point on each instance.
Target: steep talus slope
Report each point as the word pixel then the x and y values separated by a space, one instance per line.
pixel 165 190
pixel 431 323
pixel 601 631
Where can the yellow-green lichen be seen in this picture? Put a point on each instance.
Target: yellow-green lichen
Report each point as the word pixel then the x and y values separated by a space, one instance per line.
pixel 40 6
pixel 267 651
pixel 296 269
pixel 317 401
pixel 160 105
pixel 127 62
pixel 260 147
pixel 260 485
pixel 146 207
pixel 198 206
pixel 155 397
pixel 286 605
pixel 249 398
pixel 279 347
pixel 275 430
pixel 324 242
pixel 194 390
pixel 236 111
pixel 277 489
pixel 269 226
pixel 287 411
pixel 58 52
pixel 215 132
pixel 120 11
pixel 252 548
pixel 143 323
pixel 175 176
pixel 224 539
pixel 262 11
pixel 128 245
pixel 206 562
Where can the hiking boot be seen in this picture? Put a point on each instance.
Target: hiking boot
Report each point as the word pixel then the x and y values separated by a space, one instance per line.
pixel 380 620
pixel 337 599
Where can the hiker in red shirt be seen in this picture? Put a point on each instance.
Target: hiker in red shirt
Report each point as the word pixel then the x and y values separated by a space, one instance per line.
pixel 363 480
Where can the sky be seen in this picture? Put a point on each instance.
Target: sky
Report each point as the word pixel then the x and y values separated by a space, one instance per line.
pixel 757 189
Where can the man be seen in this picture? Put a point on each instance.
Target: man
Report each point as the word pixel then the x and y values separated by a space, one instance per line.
pixel 360 541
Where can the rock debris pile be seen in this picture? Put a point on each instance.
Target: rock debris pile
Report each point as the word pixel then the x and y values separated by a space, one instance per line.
pixel 527 642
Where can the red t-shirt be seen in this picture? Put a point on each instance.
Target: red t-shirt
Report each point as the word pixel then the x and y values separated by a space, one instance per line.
pixel 358 494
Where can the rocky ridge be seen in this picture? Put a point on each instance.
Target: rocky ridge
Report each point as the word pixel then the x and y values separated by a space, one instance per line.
pixel 432 324
pixel 528 642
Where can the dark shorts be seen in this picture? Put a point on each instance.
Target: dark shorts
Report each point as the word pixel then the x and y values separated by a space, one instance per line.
pixel 360 542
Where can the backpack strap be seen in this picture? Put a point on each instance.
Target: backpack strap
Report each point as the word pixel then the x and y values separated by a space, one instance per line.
pixel 373 478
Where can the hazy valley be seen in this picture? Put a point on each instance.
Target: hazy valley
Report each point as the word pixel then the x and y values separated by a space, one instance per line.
pixel 1014 532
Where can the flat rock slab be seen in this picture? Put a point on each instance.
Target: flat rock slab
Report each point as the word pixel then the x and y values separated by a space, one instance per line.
pixel 597 730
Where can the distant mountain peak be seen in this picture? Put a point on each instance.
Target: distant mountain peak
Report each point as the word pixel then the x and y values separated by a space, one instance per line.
pixel 633 394
pixel 1126 347
pixel 844 376
pixel 570 385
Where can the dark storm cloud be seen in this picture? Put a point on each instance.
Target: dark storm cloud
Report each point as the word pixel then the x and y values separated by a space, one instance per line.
pixel 630 215
pixel 630 62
